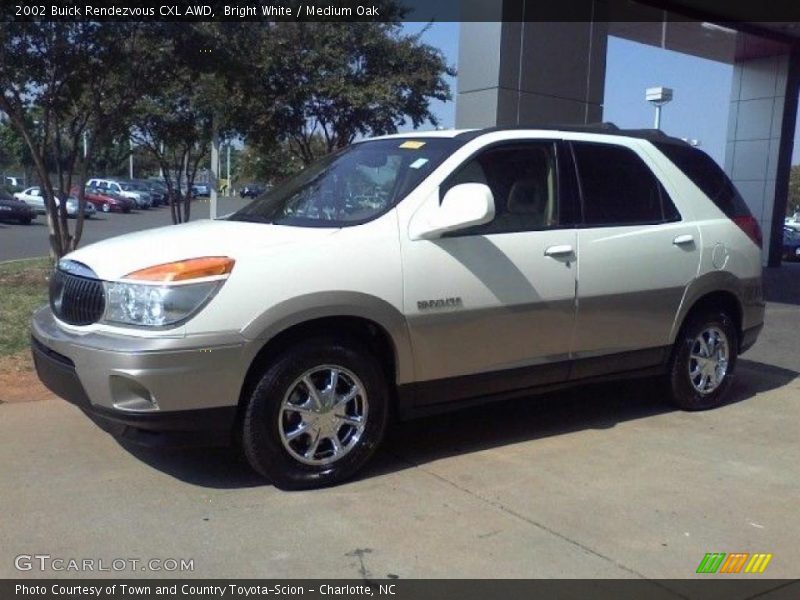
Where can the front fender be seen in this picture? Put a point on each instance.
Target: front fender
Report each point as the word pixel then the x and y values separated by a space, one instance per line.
pixel 286 314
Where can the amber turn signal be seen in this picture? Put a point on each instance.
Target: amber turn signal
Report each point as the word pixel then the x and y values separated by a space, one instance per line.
pixel 193 268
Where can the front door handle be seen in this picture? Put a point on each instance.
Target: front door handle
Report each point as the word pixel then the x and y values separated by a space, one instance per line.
pixel 564 250
pixel 682 240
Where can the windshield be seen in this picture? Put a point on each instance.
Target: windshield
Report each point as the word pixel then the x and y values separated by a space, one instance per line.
pixel 352 186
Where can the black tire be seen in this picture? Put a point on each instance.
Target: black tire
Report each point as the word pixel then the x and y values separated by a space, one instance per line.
pixel 262 420
pixel 25 221
pixel 684 394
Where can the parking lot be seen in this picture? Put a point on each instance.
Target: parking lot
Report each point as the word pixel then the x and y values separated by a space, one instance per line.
pixel 26 241
pixel 607 481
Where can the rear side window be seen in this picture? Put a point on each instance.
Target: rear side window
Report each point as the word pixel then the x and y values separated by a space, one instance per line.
pixel 708 176
pixel 618 188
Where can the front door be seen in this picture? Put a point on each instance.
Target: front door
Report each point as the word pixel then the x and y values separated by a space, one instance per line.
pixel 492 308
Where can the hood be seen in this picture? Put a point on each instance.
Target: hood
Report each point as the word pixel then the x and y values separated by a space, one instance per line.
pixel 116 257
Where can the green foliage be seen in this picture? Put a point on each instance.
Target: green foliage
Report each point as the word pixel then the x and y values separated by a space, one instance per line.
pixel 793 204
pixel 292 91
pixel 333 82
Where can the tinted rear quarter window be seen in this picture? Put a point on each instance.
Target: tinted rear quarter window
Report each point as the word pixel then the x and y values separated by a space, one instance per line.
pixel 708 176
pixel 618 188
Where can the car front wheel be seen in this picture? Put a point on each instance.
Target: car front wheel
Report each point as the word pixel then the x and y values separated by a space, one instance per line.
pixel 703 360
pixel 316 415
pixel 106 207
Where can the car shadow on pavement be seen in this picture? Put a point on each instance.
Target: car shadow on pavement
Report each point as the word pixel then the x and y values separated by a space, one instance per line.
pixel 599 406
pixel 413 443
pixel 213 467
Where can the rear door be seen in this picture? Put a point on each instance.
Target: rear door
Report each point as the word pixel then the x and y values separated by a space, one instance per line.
pixel 636 258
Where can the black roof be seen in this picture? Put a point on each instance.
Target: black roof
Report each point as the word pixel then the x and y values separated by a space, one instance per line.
pixel 653 135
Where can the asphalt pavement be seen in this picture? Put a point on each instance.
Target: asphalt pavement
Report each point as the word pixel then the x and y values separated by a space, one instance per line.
pixel 605 481
pixel 28 241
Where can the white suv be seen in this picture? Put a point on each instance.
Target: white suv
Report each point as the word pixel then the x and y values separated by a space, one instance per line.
pixel 406 275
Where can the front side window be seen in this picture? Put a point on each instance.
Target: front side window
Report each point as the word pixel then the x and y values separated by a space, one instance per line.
pixel 352 186
pixel 618 188
pixel 523 179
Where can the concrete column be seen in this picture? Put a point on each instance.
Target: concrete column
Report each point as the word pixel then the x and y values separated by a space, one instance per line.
pixel 758 154
pixel 518 72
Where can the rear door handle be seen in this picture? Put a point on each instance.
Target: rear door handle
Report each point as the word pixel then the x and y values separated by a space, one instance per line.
pixel 682 240
pixel 564 250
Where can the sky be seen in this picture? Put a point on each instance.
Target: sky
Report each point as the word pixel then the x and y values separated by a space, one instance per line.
pixel 701 87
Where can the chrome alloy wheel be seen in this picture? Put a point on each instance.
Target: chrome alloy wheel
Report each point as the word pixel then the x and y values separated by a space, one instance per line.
pixel 323 415
pixel 708 361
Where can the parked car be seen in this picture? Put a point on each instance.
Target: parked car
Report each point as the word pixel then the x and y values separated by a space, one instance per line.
pixel 200 189
pixel 406 275
pixel 157 191
pixel 791 244
pixel 15 210
pixel 251 190
pixel 13 183
pixel 34 198
pixel 105 201
pixel 126 189
pixel 73 206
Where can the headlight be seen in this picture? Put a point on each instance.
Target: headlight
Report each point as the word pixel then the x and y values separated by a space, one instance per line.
pixel 156 305
pixel 158 301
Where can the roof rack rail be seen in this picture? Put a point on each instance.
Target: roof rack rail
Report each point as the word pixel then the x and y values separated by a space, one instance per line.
pixel 605 128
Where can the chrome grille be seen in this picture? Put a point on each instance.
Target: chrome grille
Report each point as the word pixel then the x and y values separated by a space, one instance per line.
pixel 76 300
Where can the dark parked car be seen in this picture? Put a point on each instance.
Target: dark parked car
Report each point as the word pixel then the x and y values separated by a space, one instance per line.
pixel 158 191
pixel 251 190
pixel 791 244
pixel 200 189
pixel 12 209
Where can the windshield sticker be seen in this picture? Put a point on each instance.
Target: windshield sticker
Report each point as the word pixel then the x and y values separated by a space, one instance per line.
pixel 412 144
pixel 419 163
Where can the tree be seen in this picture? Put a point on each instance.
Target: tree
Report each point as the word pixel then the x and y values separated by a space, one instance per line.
pixel 793 204
pixel 174 121
pixel 59 82
pixel 306 82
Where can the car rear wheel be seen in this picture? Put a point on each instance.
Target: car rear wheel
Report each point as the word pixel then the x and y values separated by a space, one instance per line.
pixel 106 207
pixel 316 415
pixel 703 360
pixel 25 220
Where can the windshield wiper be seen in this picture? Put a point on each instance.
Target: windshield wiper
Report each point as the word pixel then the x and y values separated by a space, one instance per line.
pixel 249 218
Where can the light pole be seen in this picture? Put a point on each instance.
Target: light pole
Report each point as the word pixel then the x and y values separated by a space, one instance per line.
pixel 228 187
pixel 658 97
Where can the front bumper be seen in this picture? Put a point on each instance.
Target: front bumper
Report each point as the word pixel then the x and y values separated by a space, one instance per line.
pixel 153 391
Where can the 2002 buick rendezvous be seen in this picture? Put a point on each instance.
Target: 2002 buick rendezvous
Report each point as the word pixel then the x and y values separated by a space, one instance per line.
pixel 410 274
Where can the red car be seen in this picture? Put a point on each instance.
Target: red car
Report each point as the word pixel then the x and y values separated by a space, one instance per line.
pixel 105 201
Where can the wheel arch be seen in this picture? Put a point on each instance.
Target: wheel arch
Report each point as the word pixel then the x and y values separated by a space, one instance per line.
pixel 368 319
pixel 717 290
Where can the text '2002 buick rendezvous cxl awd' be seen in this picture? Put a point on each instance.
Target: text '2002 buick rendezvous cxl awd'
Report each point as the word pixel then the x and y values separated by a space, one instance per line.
pixel 411 274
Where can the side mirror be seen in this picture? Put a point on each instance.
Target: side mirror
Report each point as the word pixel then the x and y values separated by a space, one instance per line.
pixel 464 205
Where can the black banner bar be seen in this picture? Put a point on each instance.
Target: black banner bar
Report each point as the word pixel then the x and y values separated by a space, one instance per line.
pixel 720 11
pixel 715 587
